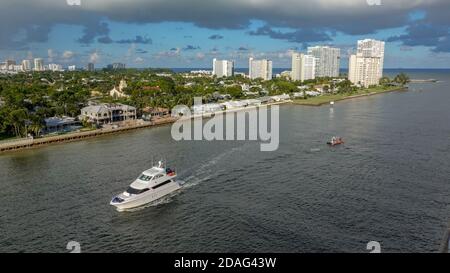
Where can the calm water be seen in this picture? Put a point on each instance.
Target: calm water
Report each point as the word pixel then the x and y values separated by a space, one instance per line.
pixel 389 183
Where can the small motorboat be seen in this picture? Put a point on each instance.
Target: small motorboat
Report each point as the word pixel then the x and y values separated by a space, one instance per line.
pixel 335 141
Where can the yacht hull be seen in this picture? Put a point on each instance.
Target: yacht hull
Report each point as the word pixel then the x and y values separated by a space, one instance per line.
pixel 147 197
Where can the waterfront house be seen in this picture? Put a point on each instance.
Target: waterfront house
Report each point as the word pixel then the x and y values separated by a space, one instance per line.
pixel 312 93
pixel 207 108
pixel 218 96
pixel 150 113
pixel 281 97
pixel 108 113
pixel 251 102
pixel 265 100
pixel 228 105
pixel 297 95
pixel 61 124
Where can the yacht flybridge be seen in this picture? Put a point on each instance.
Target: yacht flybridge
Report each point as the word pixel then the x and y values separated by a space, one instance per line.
pixel 151 185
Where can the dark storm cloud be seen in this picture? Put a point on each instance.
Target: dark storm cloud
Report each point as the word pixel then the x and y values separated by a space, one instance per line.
pixel 25 21
pixel 141 51
pixel 215 37
pixel 191 47
pixel 138 40
pixel 92 31
pixel 105 40
pixel 422 33
pixel 297 36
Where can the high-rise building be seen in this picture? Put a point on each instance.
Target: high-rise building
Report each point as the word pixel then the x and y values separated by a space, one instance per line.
pixel 116 66
pixel 327 60
pixel 10 64
pixel 260 69
pixel 72 67
pixel 90 67
pixel 38 64
pixel 303 67
pixel 55 67
pixel 366 66
pixel 26 65
pixel 223 68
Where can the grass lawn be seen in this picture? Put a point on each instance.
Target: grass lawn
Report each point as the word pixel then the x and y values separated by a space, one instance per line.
pixel 325 99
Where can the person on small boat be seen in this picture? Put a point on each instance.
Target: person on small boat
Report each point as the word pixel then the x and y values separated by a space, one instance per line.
pixel 333 140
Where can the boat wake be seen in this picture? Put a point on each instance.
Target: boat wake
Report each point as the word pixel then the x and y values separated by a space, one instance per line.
pixel 200 174
pixel 204 172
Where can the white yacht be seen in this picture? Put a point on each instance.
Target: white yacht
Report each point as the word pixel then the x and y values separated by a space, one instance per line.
pixel 150 186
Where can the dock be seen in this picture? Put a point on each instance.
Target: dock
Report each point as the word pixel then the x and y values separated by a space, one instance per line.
pixel 70 137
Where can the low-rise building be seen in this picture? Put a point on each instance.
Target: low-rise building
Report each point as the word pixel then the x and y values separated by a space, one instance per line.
pixel 108 113
pixel 297 95
pixel 61 124
pixel 150 113
pixel 282 97
pixel 265 100
pixel 207 108
pixel 233 104
pixel 312 93
pixel 252 102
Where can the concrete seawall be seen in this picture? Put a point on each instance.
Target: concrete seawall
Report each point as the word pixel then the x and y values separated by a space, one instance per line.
pixel 30 143
pixel 20 144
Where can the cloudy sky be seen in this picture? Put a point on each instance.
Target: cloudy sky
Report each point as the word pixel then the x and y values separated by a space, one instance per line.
pixel 189 33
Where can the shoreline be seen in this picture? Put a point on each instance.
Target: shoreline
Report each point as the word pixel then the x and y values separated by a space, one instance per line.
pixel 24 144
pixel 334 99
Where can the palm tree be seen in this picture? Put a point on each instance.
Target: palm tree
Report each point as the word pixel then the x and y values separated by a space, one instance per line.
pixel 17 119
pixel 385 81
pixel 37 124
pixel 402 79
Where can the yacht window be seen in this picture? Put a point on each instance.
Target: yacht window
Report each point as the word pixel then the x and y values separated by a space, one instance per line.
pixel 132 190
pixel 145 177
pixel 161 184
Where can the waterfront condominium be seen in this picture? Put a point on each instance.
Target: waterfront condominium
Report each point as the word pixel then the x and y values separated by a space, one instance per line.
pixel 38 64
pixel 223 68
pixel 90 67
pixel 260 69
pixel 327 60
pixel 303 67
pixel 26 65
pixel 366 66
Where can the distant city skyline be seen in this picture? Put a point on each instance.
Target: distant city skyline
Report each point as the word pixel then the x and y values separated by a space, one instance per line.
pixel 190 34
